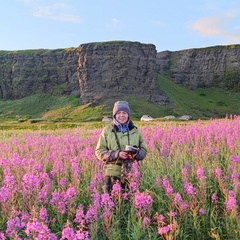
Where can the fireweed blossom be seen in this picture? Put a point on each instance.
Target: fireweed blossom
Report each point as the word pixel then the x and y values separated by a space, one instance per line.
pixel 136 175
pixel 202 211
pixel 185 172
pixel 9 181
pixel 214 198
pixel 30 185
pixel 38 230
pixel 43 215
pixel 231 203
pixel 13 226
pixel 164 230
pixel 91 215
pixel 107 203
pixel 68 233
pixel 146 222
pixel 167 186
pixel 82 235
pixel 107 211
pixel 180 205
pixel 4 194
pixel 200 173
pixel 79 218
pixel 218 172
pixel 70 195
pixel 189 189
pixel 97 181
pixel 2 236
pixel 143 202
pixel 116 192
pixel 96 199
pixel 235 158
pixel 58 202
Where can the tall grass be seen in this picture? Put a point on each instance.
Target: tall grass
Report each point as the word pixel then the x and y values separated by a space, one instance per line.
pixel 51 185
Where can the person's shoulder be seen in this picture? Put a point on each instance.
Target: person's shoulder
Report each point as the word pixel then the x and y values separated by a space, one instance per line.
pixel 108 127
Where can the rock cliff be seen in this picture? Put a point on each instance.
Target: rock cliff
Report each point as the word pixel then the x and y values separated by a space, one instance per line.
pixel 113 70
pixel 93 71
pixel 213 66
pixel 23 73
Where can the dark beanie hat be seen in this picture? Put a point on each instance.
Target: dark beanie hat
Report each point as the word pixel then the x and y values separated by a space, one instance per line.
pixel 121 106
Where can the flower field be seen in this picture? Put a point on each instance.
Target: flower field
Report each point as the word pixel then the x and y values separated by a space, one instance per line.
pixel 188 187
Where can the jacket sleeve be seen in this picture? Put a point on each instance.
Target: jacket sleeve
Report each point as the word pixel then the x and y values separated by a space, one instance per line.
pixel 102 152
pixel 142 152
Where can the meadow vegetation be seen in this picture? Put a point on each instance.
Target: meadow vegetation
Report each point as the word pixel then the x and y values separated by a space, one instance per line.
pixel 52 185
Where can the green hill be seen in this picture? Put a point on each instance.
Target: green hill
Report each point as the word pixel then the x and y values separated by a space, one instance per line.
pixel 200 103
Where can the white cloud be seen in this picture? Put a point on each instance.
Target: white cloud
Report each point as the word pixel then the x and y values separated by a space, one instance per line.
pixel 115 21
pixel 219 26
pixel 55 11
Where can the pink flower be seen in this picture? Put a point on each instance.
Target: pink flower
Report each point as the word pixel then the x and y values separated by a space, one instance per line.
pixel 68 233
pixel 116 190
pixel 38 230
pixel 146 222
pixel 62 182
pixel 200 173
pixel 91 215
pixel 80 235
pixel 177 198
pixel 167 186
pixel 79 214
pixel 43 215
pixel 13 226
pixel 70 194
pixel 2 237
pixel 189 189
pixel 164 230
pixel 142 203
pixel 218 172
pixel 231 203
pixel 202 211
pixel 235 158
pixel 214 198
pixel 4 194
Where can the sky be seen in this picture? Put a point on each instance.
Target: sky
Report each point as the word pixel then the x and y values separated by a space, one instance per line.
pixel 168 24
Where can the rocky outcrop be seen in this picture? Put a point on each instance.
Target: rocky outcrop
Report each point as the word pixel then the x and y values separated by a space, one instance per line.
pixel 94 71
pixel 23 73
pixel 113 70
pixel 214 66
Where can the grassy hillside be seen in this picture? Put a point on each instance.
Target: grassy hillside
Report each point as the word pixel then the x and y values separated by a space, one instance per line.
pixel 201 103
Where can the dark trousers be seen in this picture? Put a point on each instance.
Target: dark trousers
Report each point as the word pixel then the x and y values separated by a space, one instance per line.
pixel 110 180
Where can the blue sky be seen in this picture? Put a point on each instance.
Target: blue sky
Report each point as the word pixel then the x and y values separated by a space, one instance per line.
pixel 168 24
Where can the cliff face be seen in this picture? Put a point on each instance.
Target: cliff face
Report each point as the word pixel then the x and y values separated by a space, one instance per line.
pixel 114 70
pixel 94 71
pixel 23 73
pixel 213 66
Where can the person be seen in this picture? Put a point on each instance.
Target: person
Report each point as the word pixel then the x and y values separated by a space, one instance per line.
pixel 121 134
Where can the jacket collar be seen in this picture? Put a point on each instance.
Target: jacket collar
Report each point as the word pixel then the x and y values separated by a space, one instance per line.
pixel 130 126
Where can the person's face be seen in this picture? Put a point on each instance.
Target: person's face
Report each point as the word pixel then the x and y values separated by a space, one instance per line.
pixel 121 117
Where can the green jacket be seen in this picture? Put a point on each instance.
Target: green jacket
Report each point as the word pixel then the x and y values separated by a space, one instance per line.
pixel 107 148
